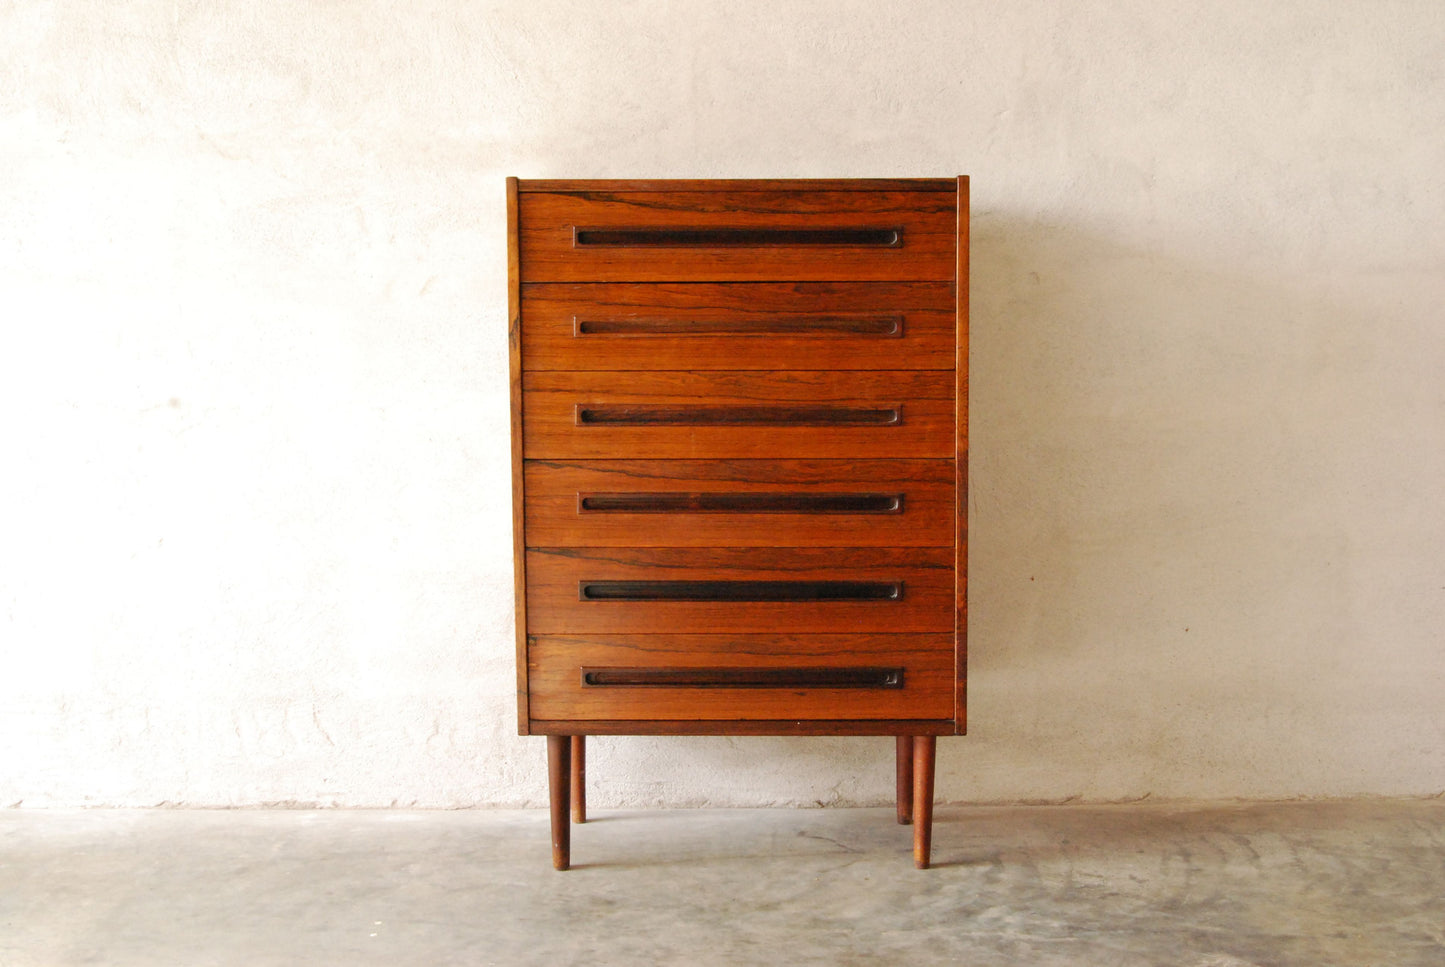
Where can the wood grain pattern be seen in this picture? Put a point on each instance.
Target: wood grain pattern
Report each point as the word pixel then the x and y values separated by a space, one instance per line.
pixel 579 779
pixel 588 186
pixel 706 326
pixel 925 428
pixel 903 776
pixel 559 781
pixel 960 713
pixel 924 759
pixel 558 660
pixel 740 444
pixel 926 221
pixel 789 726
pixel 926 487
pixel 555 574
pixel 515 364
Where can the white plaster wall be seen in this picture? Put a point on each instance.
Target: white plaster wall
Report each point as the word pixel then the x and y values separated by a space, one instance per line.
pixel 254 505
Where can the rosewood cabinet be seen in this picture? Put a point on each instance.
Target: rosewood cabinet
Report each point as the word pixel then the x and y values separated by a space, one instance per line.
pixel 739 458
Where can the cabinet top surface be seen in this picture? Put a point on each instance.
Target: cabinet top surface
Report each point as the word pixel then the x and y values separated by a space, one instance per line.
pixel 741 184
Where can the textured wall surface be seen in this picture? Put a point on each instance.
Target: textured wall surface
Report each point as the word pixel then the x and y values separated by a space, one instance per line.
pixel 254 507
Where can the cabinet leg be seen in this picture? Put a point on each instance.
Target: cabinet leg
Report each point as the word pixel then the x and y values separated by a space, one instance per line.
pixel 923 760
pixel 905 779
pixel 579 778
pixel 559 775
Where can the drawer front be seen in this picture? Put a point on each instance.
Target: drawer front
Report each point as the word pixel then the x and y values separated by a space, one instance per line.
pixel 740 503
pixel 710 415
pixel 695 326
pixel 740 677
pixel 721 236
pixel 723 590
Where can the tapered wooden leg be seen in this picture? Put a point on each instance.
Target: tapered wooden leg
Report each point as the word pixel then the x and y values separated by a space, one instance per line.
pixel 905 779
pixel 923 759
pixel 559 775
pixel 579 778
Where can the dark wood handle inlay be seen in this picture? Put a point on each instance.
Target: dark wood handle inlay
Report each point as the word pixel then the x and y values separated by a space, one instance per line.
pixel 736 237
pixel 868 326
pixel 740 503
pixel 740 591
pixel 624 415
pixel 743 677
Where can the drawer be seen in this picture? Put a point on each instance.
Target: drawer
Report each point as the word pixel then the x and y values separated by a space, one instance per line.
pixel 612 590
pixel 732 235
pixel 741 677
pixel 710 415
pixel 694 326
pixel 740 503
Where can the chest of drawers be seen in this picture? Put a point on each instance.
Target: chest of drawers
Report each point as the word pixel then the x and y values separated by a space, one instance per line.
pixel 739 455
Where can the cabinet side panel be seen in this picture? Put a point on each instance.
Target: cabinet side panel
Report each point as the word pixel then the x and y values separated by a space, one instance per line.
pixel 519 540
pixel 961 283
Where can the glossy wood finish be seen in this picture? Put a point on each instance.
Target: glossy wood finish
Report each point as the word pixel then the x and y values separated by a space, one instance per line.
pixel 654 726
pixel 560 691
pixel 904 769
pixel 788 415
pixel 583 186
pixel 556 606
pixel 769 326
pixel 579 778
pixel 926 222
pixel 960 713
pixel 923 765
pixel 515 360
pixel 739 465
pixel 559 783
pixel 924 516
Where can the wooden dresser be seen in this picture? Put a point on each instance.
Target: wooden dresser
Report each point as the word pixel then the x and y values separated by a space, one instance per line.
pixel 739 457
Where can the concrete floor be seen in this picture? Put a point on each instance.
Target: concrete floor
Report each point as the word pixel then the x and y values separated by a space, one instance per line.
pixel 1339 883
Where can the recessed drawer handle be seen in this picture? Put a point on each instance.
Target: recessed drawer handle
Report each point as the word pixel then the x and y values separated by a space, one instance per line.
pixel 740 503
pixel 874 326
pixel 738 416
pixel 740 590
pixel 743 677
pixel 736 237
